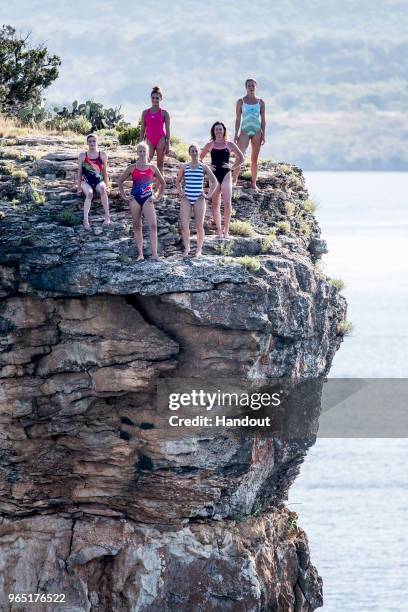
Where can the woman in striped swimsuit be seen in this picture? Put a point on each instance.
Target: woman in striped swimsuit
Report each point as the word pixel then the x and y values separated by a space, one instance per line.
pixel 190 185
pixel 93 176
pixel 250 118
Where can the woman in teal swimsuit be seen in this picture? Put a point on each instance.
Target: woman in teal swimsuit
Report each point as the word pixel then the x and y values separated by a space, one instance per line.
pixel 250 119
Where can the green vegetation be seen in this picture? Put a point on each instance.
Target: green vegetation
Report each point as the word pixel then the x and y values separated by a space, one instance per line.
pixel 19 176
pixel 268 241
pixel 25 72
pixel 241 228
pixel 290 208
pixel 226 248
pixel 90 113
pixel 246 175
pixel 129 135
pixel 249 263
pixel 256 508
pixel 305 229
pixel 6 168
pixel 344 328
pixel 9 154
pixel 283 226
pixel 125 259
pixel 292 523
pixel 180 149
pixel 338 283
pixel 309 206
pixel 68 217
pixel 79 125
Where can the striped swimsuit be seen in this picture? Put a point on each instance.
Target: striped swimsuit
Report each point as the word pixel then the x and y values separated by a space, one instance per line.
pixel 193 182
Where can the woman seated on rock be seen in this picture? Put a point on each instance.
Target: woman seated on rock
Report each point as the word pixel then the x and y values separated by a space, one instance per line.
pixel 141 199
pixel 155 128
pixel 220 149
pixel 190 185
pixel 250 126
pixel 93 176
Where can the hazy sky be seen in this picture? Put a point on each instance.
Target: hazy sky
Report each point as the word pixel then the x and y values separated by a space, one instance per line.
pixel 200 53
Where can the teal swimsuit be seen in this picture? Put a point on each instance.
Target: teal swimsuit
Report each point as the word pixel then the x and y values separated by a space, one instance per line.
pixel 251 119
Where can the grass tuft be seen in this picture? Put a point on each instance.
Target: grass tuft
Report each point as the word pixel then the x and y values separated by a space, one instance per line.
pixel 68 217
pixel 249 263
pixel 338 283
pixel 309 206
pixel 242 228
pixel 284 227
pixel 268 241
pixel 344 328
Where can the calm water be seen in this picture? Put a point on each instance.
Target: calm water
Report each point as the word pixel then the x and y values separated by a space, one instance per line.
pixel 352 494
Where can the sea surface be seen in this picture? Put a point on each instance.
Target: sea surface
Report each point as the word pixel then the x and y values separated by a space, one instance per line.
pixel 352 494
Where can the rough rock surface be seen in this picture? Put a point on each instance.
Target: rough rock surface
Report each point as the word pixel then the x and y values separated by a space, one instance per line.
pixel 98 499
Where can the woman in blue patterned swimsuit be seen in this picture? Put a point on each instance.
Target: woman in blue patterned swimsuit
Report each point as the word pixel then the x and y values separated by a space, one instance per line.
pixel 250 125
pixel 190 185
pixel 142 200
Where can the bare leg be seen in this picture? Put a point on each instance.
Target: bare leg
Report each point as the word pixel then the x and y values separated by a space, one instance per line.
pixel 199 214
pixel 87 189
pixel 256 147
pixel 216 210
pixel 103 192
pixel 185 215
pixel 243 142
pixel 136 212
pixel 161 146
pixel 150 213
pixel 226 190
pixel 151 150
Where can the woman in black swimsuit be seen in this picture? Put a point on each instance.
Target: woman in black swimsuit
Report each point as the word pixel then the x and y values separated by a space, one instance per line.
pixel 220 149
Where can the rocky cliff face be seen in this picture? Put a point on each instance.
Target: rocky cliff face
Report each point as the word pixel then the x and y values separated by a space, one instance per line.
pixel 100 500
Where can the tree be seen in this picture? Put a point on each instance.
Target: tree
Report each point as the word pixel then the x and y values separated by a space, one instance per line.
pixel 25 71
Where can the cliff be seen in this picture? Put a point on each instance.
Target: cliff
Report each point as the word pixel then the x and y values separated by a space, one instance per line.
pixel 100 500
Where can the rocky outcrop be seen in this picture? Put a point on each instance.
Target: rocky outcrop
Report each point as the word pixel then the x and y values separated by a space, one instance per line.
pixel 99 498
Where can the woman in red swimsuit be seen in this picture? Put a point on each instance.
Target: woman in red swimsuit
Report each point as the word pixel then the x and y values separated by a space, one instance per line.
pixel 141 200
pixel 155 128
pixel 93 176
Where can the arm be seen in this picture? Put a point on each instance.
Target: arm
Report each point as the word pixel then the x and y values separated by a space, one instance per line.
pixel 162 183
pixel 105 170
pixel 212 180
pixel 167 124
pixel 79 173
pixel 180 181
pixel 205 151
pixel 123 177
pixel 143 126
pixel 238 119
pixel 239 156
pixel 263 121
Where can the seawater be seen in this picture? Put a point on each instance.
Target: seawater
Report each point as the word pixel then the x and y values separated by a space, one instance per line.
pixel 352 494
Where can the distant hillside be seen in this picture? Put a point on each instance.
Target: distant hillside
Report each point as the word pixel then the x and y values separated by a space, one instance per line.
pixel 332 73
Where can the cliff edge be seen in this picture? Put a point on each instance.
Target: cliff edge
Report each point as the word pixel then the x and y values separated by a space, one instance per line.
pixel 98 500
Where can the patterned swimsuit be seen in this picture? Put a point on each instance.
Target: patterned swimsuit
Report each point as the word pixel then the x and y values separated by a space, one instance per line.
pixel 142 184
pixel 92 170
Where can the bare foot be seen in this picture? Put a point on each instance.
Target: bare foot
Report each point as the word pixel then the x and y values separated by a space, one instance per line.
pixel 155 258
pixel 186 253
pixel 87 226
pixel 227 237
pixel 198 254
pixel 220 236
pixel 254 186
pixel 140 258
pixel 107 221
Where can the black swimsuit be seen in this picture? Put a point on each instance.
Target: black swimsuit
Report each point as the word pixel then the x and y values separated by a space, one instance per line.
pixel 218 158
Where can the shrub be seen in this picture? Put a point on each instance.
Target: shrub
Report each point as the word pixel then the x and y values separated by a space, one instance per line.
pixel 246 174
pixel 283 226
pixel 19 176
pixel 268 241
pixel 67 217
pixel 249 263
pixel 305 229
pixel 129 135
pixel 241 228
pixel 180 149
pixel 290 208
pixel 6 168
pixel 226 249
pixel 338 283
pixel 99 117
pixel 309 206
pixel 79 125
pixel 344 328
pixel 10 154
